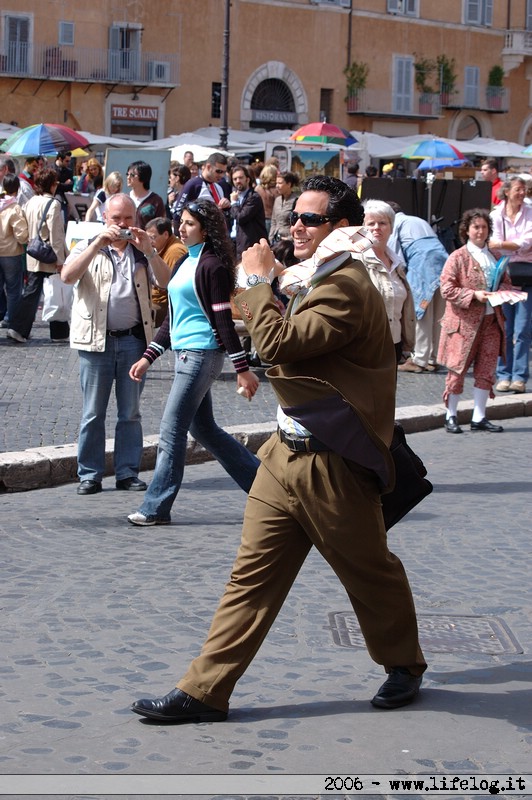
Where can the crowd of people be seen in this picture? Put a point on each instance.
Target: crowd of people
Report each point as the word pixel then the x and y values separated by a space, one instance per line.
pixel 169 273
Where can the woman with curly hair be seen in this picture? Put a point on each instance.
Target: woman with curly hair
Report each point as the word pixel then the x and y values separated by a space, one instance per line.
pixel 472 331
pixel 200 329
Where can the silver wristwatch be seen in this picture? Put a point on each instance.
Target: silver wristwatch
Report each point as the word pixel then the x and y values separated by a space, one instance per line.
pixel 253 280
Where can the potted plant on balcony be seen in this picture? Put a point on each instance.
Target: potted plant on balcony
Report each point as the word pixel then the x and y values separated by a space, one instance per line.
pixel 494 89
pixel 424 69
pixel 356 75
pixel 446 68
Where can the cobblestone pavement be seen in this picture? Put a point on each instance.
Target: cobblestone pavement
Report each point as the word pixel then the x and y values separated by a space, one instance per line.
pixel 96 613
pixel 40 398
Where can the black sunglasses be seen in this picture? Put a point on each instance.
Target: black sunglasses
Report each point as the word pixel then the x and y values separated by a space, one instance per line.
pixel 308 219
pixel 195 208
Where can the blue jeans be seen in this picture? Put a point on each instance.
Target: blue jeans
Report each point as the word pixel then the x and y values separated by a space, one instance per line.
pixel 518 338
pixel 189 408
pixel 98 372
pixel 11 276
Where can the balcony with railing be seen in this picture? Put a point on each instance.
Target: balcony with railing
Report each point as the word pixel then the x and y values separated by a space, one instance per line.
pixel 377 102
pixel 89 65
pixel 381 102
pixel 517 47
pixel 495 99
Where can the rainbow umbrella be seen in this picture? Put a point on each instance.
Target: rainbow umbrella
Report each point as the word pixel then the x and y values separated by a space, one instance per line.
pixel 441 163
pixel 432 148
pixel 323 133
pixel 43 139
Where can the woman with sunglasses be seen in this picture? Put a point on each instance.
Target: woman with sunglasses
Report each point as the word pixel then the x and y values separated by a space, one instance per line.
pixel 199 327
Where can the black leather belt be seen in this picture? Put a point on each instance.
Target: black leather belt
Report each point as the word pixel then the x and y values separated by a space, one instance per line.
pixel 138 329
pixel 302 444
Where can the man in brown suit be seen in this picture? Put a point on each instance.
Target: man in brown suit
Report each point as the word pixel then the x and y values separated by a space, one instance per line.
pixel 322 473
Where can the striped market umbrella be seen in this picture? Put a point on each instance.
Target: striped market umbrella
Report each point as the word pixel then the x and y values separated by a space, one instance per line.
pixel 432 149
pixel 323 133
pixel 44 139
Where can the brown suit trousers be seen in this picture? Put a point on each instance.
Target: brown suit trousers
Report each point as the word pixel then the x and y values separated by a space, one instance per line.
pixel 299 500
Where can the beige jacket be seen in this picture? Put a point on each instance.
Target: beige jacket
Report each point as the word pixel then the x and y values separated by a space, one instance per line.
pixel 380 278
pixel 13 228
pixel 88 326
pixel 52 231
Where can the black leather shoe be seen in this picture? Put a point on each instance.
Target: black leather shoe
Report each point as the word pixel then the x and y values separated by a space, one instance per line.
pixel 452 426
pixel 486 425
pixel 131 485
pixel 399 689
pixel 177 706
pixel 89 487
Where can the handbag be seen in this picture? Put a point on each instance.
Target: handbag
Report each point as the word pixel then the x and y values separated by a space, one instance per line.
pixel 411 485
pixel 39 249
pixel 520 273
pixel 57 304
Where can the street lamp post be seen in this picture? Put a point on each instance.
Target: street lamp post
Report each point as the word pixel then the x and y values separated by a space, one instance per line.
pixel 225 77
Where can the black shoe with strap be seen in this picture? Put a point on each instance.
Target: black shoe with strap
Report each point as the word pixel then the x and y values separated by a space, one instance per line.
pixel 131 484
pixel 452 426
pixel 486 425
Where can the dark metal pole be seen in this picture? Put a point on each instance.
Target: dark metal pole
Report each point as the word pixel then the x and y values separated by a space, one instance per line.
pixel 349 34
pixel 225 77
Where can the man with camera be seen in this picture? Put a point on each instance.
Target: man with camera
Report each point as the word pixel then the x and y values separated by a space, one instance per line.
pixel 111 327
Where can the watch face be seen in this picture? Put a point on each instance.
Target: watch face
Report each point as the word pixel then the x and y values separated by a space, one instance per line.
pixel 252 280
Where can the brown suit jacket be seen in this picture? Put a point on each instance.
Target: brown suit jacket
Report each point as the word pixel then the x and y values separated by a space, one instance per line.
pixel 333 363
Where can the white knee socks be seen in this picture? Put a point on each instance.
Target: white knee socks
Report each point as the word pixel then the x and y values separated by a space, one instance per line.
pixel 452 405
pixel 480 398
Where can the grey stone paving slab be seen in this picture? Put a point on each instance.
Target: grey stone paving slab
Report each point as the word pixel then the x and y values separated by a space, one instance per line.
pixel 96 613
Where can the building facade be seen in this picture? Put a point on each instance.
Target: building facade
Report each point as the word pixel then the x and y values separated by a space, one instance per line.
pixel 147 70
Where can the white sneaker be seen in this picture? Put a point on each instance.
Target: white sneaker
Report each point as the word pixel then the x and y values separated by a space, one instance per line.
pixel 16 336
pixel 141 519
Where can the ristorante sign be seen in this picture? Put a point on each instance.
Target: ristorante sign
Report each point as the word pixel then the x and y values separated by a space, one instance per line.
pixel 134 113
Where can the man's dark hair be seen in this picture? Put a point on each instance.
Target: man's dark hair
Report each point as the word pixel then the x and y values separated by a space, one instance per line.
pixel 163 225
pixel 396 207
pixel 63 154
pixel 143 170
pixel 11 184
pixel 217 158
pixel 489 162
pixel 343 200
pixel 371 171
pixel 291 177
pixel 352 168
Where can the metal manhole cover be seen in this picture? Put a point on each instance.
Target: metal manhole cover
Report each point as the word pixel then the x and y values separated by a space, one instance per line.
pixel 439 633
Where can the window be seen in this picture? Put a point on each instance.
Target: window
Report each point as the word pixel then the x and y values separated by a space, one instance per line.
pixel 17 43
pixel 403 84
pixel 479 12
pixel 342 3
pixel 216 100
pixel 326 98
pixel 471 82
pixel 66 33
pixel 124 52
pixel 408 8
pixel 528 23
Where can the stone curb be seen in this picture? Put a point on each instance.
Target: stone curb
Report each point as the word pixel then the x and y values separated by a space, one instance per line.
pixel 42 467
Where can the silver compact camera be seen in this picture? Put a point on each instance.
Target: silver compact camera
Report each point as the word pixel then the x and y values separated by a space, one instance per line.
pixel 125 233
